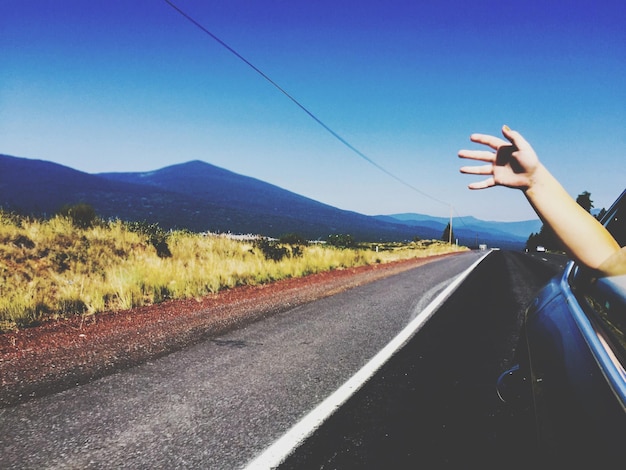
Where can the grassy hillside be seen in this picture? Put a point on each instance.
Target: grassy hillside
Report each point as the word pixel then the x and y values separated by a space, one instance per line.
pixel 53 268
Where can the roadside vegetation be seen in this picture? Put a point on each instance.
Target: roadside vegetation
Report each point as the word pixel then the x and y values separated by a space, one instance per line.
pixel 546 238
pixel 77 264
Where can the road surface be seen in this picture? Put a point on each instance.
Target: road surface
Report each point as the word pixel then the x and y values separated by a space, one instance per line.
pixel 220 403
pixel 434 403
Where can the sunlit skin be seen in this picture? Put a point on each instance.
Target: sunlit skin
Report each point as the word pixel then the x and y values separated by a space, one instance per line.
pixel 514 164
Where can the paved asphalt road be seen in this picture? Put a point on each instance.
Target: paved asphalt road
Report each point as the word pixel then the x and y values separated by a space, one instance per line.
pixel 221 402
pixel 434 404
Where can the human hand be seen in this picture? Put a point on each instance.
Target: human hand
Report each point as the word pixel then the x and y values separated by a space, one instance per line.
pixel 513 164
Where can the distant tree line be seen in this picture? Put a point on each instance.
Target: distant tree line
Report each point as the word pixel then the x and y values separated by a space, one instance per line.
pixel 546 236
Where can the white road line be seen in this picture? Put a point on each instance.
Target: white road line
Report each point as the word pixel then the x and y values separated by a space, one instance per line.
pixel 427 298
pixel 276 453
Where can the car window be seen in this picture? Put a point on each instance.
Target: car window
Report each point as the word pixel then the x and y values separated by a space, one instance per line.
pixel 615 220
pixel 604 299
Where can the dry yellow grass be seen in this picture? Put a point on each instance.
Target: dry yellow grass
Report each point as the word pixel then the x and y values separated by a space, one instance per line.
pixel 50 269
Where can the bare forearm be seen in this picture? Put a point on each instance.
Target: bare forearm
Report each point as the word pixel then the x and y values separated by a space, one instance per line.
pixel 583 236
pixel 515 164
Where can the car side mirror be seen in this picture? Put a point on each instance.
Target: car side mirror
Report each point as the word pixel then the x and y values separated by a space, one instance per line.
pixel 513 387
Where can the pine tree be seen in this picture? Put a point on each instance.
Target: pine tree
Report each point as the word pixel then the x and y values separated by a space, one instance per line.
pixel 446 236
pixel 584 200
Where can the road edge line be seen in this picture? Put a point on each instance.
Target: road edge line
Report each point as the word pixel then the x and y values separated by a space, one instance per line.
pixel 278 451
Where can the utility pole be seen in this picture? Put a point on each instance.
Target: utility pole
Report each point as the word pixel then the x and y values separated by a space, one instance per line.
pixel 450 233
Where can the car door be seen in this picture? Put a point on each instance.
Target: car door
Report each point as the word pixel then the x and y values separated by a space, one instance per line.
pixel 575 334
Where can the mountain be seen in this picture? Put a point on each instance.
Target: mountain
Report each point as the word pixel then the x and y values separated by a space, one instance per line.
pixel 202 197
pixel 471 231
pixel 194 195
pixel 249 205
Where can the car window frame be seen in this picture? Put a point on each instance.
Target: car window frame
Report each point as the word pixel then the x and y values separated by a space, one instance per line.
pixel 600 304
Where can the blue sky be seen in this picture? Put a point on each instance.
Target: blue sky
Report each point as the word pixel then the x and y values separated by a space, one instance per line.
pixel 133 86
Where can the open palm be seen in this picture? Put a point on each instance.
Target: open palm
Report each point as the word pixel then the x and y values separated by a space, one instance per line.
pixel 512 163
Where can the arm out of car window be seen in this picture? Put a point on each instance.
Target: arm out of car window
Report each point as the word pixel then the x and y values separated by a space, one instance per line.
pixel 513 163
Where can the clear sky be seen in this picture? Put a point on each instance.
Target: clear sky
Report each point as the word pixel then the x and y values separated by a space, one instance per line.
pixel 123 85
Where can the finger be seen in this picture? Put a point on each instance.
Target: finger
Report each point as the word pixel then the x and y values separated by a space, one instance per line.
pixel 515 138
pixel 477 170
pixel 493 142
pixel 480 155
pixel 488 183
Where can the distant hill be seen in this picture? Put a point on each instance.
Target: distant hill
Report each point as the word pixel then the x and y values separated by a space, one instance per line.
pixel 195 195
pixel 202 197
pixel 471 231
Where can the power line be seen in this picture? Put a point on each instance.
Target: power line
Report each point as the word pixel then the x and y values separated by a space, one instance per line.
pixel 301 106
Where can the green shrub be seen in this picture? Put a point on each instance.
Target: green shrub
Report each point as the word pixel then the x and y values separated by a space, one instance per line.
pixel 271 250
pixel 293 239
pixel 341 240
pixel 154 234
pixel 82 215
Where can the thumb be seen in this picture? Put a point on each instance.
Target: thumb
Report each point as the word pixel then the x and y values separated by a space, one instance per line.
pixel 515 138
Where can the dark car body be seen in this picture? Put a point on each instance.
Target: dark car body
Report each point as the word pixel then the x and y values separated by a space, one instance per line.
pixel 572 362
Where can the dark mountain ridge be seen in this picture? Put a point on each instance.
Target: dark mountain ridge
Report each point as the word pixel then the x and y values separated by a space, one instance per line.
pixel 471 231
pixel 202 197
pixel 521 229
